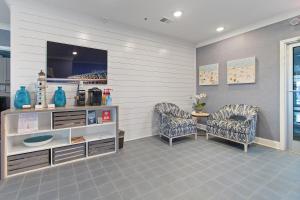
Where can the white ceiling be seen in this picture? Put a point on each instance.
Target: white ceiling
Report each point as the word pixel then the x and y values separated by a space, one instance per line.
pixel 200 17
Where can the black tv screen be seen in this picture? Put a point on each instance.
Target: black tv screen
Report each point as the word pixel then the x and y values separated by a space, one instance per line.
pixel 74 63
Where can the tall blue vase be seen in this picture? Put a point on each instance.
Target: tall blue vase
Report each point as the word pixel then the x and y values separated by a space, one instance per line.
pixel 22 98
pixel 60 97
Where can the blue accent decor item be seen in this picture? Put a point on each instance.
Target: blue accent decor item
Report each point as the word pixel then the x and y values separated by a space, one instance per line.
pixel 108 100
pixel 60 97
pixel 22 98
pixel 38 140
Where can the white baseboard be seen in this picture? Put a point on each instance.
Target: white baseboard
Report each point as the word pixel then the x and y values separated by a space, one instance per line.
pixel 268 143
pixel 258 140
pixel 137 138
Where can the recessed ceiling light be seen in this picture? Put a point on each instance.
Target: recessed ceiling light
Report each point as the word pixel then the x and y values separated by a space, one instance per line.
pixel 220 29
pixel 177 13
pixel 74 53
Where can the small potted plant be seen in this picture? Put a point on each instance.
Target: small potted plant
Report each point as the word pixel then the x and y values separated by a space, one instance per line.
pixel 199 103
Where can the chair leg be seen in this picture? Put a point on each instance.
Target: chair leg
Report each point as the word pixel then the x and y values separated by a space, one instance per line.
pixel 246 147
pixel 196 136
pixel 170 142
pixel 206 136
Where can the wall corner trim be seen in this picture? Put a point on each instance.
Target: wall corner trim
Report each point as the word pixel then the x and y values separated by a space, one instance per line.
pixel 268 143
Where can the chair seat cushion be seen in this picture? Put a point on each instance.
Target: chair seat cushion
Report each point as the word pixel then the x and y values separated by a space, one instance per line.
pixel 180 127
pixel 230 125
pixel 180 131
pixel 180 122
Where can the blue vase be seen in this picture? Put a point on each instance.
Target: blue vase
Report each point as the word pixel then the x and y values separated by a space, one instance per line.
pixel 22 98
pixel 60 97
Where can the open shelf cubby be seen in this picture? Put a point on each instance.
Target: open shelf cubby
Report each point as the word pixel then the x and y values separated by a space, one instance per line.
pixel 100 137
pixel 95 132
pixel 12 122
pixel 15 144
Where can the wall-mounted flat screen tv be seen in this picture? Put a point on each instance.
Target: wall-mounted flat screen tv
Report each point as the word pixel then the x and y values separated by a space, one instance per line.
pixel 70 63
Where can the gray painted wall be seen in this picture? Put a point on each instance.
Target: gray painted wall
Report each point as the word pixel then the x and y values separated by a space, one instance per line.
pixel 264 44
pixel 4 38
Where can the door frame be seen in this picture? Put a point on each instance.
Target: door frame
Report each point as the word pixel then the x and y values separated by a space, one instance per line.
pixel 284 83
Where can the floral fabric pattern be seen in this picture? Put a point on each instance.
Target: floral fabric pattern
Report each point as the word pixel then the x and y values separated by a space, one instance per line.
pixel 174 122
pixel 222 123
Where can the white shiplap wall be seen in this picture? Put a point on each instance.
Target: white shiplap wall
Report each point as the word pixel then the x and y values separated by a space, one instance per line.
pixel 143 68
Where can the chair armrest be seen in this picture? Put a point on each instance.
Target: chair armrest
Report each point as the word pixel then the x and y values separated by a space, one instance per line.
pixel 251 123
pixel 185 115
pixel 166 120
pixel 215 116
pixel 250 119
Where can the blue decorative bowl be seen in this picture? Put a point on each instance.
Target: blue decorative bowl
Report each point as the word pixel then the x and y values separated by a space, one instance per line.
pixel 38 140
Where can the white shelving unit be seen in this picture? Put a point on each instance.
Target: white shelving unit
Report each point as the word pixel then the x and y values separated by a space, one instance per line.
pixel 19 149
pixel 100 139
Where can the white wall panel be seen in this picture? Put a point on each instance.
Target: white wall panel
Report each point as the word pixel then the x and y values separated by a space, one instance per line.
pixel 143 68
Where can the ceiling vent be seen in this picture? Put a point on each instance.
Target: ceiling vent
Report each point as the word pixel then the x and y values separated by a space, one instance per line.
pixel 295 21
pixel 165 20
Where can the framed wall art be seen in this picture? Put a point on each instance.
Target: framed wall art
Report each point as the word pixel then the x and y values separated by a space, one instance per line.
pixel 209 74
pixel 241 71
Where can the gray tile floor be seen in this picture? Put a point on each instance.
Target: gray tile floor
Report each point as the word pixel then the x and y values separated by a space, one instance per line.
pixel 149 169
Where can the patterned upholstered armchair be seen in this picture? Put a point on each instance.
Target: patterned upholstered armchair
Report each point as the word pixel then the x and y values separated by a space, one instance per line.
pixel 234 122
pixel 174 122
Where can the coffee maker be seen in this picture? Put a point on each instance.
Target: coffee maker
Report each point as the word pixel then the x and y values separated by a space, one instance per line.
pixel 80 98
pixel 95 96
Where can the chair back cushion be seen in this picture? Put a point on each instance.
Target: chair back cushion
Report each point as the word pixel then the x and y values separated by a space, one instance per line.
pixel 239 110
pixel 238 118
pixel 167 108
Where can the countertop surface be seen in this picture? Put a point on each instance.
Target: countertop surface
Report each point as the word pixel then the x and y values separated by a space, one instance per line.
pixel 57 109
